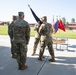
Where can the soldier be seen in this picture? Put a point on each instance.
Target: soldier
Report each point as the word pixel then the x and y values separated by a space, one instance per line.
pixel 10 27
pixel 21 36
pixel 37 37
pixel 45 31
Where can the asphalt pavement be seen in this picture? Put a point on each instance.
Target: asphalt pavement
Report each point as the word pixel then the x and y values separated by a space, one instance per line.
pixel 65 60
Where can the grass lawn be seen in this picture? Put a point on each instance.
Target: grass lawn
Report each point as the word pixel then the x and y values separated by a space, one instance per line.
pixel 3 30
pixel 68 34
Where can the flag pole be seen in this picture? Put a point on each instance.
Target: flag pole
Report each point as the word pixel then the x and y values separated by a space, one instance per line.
pixel 34 15
pixel 28 5
pixel 58 18
pixel 53 18
pixel 59 29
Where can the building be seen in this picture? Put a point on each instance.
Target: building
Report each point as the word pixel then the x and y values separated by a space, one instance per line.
pixel 71 26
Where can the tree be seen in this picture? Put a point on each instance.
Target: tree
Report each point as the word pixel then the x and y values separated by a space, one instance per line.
pixel 67 23
pixel 64 20
pixel 73 20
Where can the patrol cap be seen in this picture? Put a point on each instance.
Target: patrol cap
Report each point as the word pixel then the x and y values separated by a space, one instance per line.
pixel 44 17
pixel 20 13
pixel 16 17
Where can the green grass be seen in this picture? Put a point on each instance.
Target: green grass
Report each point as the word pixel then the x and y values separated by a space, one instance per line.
pixel 32 33
pixel 68 34
pixel 3 30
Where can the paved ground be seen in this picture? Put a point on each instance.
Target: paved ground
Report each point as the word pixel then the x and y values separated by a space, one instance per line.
pixel 65 60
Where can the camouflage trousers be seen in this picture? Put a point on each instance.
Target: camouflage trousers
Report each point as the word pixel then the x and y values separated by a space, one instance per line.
pixel 36 44
pixel 21 49
pixel 13 50
pixel 43 44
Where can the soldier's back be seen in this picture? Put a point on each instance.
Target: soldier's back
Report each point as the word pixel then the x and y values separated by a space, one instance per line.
pixel 45 31
pixel 20 30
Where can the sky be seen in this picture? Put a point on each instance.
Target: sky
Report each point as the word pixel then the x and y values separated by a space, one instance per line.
pixel 62 8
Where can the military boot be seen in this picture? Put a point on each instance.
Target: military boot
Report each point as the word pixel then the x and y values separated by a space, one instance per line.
pixel 23 66
pixel 19 66
pixel 52 60
pixel 40 59
pixel 53 57
pixel 40 56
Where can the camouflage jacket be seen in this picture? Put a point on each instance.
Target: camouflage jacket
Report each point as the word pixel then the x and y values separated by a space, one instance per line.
pixel 10 27
pixel 21 31
pixel 46 31
pixel 36 28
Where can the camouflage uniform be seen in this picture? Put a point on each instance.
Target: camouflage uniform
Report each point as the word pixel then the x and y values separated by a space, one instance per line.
pixel 37 38
pixel 21 34
pixel 10 27
pixel 46 40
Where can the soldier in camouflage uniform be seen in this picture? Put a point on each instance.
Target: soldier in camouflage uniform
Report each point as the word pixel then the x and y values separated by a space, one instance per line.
pixel 10 27
pixel 21 36
pixel 37 37
pixel 45 31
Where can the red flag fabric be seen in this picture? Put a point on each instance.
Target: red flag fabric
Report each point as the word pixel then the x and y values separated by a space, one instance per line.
pixel 61 25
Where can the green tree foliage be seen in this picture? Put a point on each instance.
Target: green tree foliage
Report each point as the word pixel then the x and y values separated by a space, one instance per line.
pixel 64 20
pixel 73 20
pixel 67 23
